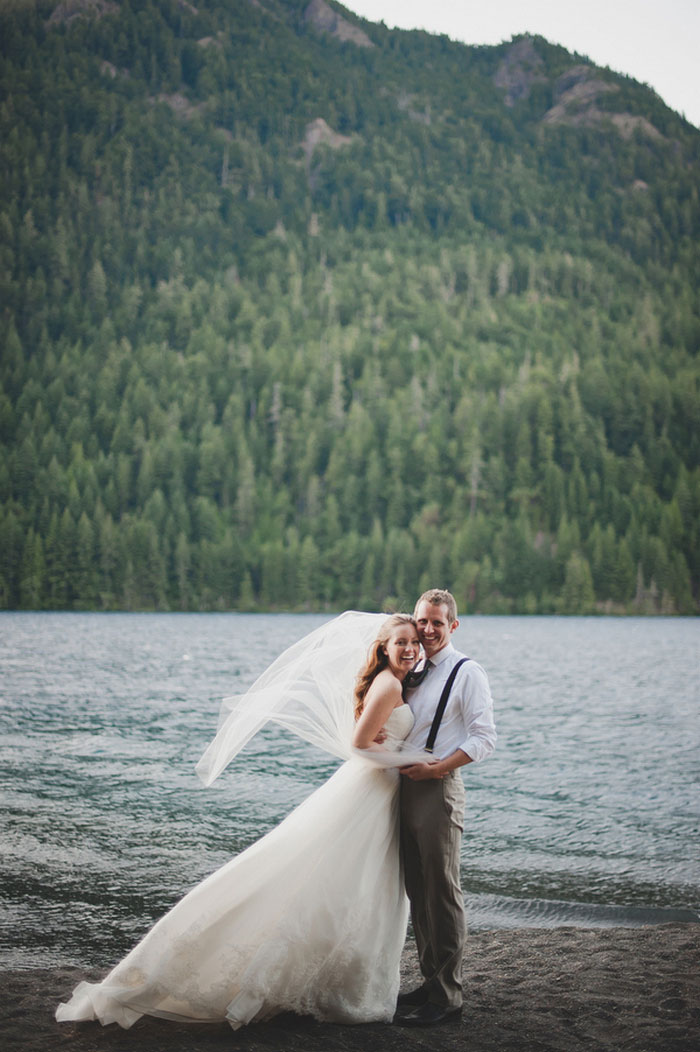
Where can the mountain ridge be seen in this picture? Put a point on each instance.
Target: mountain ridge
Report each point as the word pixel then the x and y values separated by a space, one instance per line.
pixel 294 323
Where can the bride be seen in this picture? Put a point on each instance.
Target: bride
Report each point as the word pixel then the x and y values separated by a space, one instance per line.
pixel 312 918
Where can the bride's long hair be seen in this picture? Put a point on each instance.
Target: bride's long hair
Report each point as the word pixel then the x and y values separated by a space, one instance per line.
pixel 377 658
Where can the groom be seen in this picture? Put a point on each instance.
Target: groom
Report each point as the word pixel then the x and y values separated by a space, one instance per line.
pixel 432 807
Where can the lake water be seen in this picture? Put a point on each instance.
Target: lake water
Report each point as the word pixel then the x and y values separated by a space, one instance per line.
pixel 587 814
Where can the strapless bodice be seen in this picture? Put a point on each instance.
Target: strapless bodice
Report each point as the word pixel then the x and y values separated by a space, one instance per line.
pixel 399 724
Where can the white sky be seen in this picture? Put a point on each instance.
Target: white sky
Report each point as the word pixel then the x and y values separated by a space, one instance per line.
pixel 654 41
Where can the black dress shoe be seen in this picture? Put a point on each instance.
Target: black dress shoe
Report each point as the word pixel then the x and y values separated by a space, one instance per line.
pixel 429 1015
pixel 416 997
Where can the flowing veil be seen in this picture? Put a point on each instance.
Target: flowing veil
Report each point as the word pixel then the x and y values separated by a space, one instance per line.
pixel 308 690
pixel 311 918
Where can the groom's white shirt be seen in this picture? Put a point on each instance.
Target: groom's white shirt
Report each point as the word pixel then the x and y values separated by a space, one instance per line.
pixel 467 723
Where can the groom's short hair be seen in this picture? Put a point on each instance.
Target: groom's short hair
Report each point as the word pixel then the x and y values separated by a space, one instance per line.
pixel 440 597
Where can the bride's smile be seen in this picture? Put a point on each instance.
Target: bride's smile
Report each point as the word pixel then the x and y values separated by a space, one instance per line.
pixel 402 650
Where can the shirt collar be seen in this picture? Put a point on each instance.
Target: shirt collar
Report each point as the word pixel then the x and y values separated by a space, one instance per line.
pixel 442 655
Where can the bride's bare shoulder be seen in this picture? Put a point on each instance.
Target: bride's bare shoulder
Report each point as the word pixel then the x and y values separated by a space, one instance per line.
pixel 386 683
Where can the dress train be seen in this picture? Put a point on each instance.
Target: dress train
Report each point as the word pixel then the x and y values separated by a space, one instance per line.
pixel 310 919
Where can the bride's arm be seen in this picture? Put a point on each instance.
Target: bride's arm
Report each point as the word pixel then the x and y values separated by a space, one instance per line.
pixel 382 698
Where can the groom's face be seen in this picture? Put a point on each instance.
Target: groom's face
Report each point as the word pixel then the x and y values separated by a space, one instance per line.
pixel 434 628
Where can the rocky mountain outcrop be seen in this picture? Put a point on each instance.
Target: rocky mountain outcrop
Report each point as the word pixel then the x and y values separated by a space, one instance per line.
pixel 577 93
pixel 325 20
pixel 519 70
pixel 72 9
pixel 318 132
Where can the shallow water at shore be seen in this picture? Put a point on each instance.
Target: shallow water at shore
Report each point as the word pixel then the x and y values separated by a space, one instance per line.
pixel 587 815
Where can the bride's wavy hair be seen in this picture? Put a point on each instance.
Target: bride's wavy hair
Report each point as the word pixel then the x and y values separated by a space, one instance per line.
pixel 377 658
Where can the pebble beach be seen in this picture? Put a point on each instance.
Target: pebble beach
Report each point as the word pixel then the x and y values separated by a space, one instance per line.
pixel 534 990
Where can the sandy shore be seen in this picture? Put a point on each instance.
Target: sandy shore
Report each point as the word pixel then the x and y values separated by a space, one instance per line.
pixel 563 989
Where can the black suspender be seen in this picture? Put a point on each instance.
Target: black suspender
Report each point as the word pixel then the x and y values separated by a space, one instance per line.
pixel 440 710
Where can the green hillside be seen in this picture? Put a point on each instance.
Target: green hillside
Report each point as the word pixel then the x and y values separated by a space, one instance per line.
pixel 299 312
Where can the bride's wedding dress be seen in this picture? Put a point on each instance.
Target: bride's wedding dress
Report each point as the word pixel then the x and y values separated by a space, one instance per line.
pixel 310 919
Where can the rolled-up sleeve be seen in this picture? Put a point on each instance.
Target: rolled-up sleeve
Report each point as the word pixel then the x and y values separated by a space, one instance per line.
pixel 476 703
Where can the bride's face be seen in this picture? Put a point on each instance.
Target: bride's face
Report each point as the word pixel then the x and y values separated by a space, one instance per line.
pixel 402 649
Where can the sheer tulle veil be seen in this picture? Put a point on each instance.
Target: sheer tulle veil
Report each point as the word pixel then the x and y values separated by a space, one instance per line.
pixel 312 917
pixel 308 690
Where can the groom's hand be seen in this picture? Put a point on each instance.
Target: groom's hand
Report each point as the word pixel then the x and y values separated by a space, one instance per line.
pixel 422 772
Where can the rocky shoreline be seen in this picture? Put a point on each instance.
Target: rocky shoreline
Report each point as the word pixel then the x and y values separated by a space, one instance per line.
pixel 542 990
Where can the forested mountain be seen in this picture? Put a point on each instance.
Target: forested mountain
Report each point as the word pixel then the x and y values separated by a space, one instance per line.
pixel 300 312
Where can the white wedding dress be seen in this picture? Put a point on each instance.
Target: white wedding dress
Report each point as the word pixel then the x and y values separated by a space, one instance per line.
pixel 311 919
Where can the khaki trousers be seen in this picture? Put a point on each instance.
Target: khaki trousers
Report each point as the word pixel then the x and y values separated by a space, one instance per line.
pixel 432 819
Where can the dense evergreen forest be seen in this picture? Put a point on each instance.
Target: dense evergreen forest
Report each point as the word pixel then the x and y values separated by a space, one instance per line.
pixel 300 312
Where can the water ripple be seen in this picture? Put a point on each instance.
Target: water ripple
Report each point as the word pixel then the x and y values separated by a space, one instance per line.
pixel 587 814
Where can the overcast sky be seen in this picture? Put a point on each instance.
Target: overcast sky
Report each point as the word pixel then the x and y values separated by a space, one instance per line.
pixel 654 41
